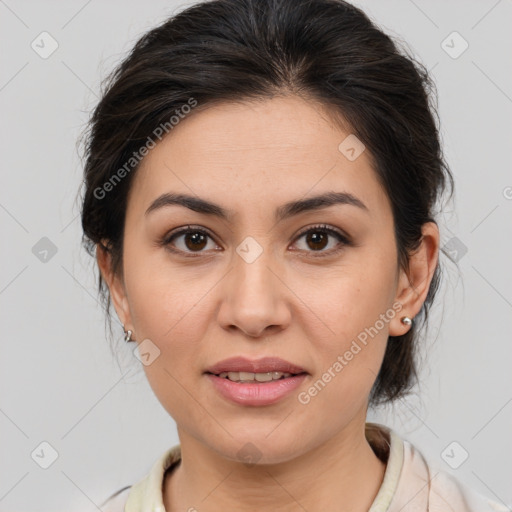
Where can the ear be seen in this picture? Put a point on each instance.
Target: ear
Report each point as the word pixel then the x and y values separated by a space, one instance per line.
pixel 413 285
pixel 116 286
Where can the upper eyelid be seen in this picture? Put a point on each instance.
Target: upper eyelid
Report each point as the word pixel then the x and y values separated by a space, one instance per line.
pixel 322 227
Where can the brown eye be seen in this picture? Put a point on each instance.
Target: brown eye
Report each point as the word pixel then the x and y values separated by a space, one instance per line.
pixel 188 240
pixel 195 241
pixel 317 238
pixel 192 241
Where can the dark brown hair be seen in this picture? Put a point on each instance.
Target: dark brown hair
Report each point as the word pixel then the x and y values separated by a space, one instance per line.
pixel 326 51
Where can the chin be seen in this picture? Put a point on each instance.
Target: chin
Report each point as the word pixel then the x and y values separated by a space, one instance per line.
pixel 259 445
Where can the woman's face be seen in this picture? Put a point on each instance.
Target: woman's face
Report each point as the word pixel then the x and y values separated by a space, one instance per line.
pixel 253 285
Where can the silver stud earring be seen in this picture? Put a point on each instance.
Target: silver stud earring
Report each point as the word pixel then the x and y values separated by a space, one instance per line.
pixel 406 320
pixel 128 336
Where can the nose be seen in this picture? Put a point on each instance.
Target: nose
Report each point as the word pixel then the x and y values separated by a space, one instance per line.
pixel 254 298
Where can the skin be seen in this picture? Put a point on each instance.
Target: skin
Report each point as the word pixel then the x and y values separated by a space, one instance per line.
pixel 252 158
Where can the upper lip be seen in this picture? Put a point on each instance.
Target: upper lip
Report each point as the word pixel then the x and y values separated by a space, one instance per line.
pixel 263 365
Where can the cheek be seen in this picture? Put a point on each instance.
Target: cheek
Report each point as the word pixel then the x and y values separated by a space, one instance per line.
pixel 350 297
pixel 170 317
pixel 164 299
pixel 354 307
pixel 167 310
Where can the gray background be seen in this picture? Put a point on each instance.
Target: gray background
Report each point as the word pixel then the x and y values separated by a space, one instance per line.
pixel 60 383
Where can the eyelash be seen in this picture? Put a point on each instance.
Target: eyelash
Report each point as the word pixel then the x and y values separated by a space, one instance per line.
pixel 323 228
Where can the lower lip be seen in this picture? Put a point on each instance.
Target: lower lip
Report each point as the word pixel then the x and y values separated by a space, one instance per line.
pixel 256 393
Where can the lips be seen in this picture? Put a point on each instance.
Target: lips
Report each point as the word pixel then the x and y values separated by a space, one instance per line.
pixel 263 365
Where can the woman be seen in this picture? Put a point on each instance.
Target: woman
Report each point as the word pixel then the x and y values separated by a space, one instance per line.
pixel 261 182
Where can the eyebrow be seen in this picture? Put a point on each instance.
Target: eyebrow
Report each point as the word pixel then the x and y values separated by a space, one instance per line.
pixel 283 212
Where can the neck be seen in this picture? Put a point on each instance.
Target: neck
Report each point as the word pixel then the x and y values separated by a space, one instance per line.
pixel 340 474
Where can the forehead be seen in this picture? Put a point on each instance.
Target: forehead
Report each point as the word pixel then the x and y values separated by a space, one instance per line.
pixel 266 150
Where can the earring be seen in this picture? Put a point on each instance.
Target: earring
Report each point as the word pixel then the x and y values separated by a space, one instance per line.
pixel 128 336
pixel 406 320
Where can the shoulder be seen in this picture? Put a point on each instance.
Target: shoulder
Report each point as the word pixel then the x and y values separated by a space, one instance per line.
pixel 448 493
pixel 427 487
pixel 117 501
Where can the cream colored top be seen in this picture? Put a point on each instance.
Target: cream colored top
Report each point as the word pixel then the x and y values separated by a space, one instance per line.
pixel 410 484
